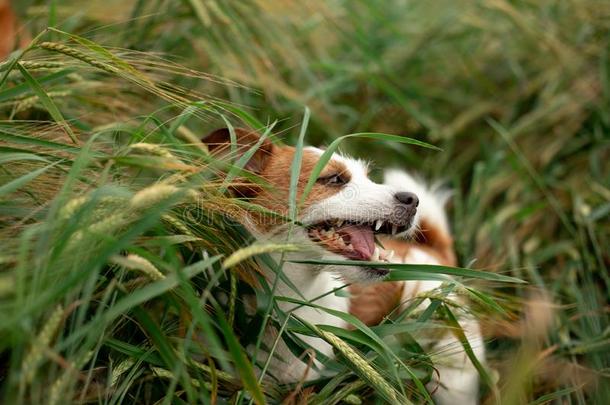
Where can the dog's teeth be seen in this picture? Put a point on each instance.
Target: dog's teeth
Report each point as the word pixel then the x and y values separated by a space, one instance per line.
pixel 339 223
pixel 389 255
pixel 375 257
pixel 378 224
pixel 394 229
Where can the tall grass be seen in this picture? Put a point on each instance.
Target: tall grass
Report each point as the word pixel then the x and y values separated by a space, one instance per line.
pixel 123 262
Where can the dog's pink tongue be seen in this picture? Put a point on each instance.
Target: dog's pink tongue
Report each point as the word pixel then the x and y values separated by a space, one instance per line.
pixel 362 239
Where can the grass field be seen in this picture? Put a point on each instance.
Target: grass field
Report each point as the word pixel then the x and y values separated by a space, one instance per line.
pixel 121 275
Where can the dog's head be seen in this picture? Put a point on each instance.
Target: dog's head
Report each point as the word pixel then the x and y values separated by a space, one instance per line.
pixel 342 214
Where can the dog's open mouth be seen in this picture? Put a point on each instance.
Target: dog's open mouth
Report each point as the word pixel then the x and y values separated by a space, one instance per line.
pixel 355 240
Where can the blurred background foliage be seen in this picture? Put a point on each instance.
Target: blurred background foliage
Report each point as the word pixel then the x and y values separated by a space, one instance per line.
pixel 516 93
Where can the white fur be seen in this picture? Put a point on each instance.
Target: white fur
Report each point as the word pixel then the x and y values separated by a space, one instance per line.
pixel 458 380
pixel 311 285
pixel 432 199
pixel 360 200
pixel 363 200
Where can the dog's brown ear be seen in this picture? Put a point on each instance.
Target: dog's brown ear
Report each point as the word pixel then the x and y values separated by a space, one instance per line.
pixel 219 144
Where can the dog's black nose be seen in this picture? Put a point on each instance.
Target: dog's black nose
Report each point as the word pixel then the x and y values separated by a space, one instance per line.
pixel 409 199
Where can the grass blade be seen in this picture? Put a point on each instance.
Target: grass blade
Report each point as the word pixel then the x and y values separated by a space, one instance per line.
pixel 403 271
pixel 457 330
pixel 295 168
pixel 23 180
pixel 47 102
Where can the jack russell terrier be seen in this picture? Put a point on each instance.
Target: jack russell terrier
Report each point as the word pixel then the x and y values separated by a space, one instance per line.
pixel 341 218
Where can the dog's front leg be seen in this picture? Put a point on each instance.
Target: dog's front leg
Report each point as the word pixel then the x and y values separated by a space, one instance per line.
pixel 456 381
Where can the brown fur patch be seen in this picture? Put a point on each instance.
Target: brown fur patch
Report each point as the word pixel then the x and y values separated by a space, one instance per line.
pixel 371 303
pixel 273 164
pixel 277 174
pixel 219 144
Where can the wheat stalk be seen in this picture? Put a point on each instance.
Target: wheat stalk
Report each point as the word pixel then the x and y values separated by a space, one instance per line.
pixel 153 195
pixel 176 223
pixel 30 102
pixel 39 345
pixel 73 205
pixel 161 372
pixel 152 148
pixel 364 368
pixel 74 53
pixel 256 249
pixel 120 369
pixel 135 262
pixel 58 388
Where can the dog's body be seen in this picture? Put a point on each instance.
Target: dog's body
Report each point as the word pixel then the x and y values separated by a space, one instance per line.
pixel 341 216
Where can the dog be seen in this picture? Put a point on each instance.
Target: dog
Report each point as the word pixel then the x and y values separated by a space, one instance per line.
pixel 340 219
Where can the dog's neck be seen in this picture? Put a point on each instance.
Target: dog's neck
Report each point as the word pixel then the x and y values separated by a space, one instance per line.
pixel 319 288
pixel 315 289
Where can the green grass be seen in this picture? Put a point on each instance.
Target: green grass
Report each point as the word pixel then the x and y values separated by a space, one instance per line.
pixel 121 277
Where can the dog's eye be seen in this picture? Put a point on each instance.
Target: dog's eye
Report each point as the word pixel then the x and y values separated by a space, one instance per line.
pixel 333 180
